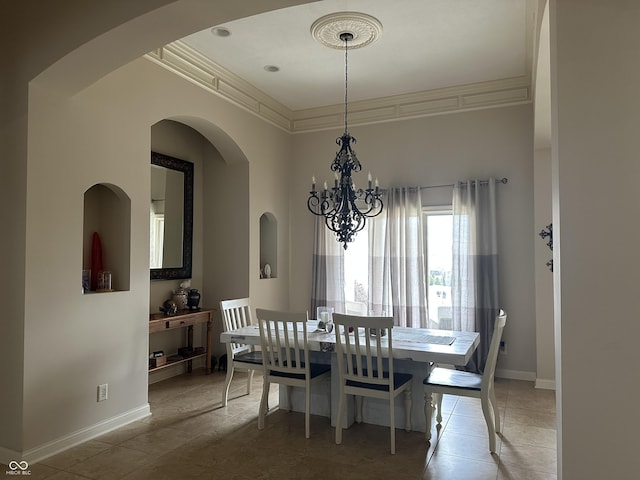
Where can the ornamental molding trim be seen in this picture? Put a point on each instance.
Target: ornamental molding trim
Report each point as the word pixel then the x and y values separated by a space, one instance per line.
pixel 364 28
pixel 186 62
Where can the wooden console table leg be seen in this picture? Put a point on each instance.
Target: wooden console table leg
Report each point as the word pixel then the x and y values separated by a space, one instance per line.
pixel 190 345
pixel 209 331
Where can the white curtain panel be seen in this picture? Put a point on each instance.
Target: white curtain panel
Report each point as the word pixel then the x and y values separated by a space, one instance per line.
pixel 474 283
pixel 397 283
pixel 327 288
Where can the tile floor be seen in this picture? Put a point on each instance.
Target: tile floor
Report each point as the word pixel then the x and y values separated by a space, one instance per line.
pixel 189 435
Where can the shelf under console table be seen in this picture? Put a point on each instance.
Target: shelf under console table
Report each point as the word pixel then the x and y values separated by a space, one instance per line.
pixel 159 322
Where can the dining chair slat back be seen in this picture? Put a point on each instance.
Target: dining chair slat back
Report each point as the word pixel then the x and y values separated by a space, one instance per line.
pixel 236 314
pixel 285 333
pixel 285 347
pixel 365 347
pixel 362 345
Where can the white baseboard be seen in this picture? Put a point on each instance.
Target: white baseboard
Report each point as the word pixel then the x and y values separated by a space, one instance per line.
pixel 516 375
pixel 542 383
pixel 7 456
pixel 545 383
pixel 36 454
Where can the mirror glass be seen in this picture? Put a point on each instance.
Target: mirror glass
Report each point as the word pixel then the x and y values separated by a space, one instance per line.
pixel 171 217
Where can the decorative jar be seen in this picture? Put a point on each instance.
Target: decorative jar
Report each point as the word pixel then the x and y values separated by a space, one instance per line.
pixel 193 299
pixel 180 299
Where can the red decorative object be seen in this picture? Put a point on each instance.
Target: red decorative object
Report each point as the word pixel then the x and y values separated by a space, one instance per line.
pixel 96 260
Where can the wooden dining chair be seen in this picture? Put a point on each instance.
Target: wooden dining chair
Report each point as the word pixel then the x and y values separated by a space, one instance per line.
pixel 445 381
pixel 245 358
pixel 362 371
pixel 285 348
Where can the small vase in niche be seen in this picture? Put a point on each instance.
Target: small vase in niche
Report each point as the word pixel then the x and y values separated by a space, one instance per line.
pixel 193 299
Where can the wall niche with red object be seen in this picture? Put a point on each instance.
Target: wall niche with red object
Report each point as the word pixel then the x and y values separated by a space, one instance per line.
pixel 106 241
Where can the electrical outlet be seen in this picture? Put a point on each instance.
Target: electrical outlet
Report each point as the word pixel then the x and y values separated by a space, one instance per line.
pixel 503 347
pixel 103 392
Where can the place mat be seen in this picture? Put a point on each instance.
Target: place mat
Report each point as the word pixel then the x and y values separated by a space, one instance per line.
pixel 439 340
pixel 433 339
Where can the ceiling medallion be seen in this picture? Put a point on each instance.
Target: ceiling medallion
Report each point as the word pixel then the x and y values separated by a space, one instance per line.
pixel 328 29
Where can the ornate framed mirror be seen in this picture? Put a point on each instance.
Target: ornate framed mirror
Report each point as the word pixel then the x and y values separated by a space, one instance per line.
pixel 171 217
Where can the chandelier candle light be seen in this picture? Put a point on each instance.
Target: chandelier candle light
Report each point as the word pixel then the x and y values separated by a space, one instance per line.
pixel 345 207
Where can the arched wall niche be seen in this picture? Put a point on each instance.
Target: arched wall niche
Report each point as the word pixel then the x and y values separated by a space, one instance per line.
pixel 268 245
pixel 107 211
pixel 221 230
pixel 229 150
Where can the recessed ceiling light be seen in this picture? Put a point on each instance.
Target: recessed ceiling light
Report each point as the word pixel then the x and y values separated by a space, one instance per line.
pixel 220 31
pixel 271 68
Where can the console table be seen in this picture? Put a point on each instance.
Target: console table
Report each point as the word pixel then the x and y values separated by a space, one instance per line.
pixel 159 322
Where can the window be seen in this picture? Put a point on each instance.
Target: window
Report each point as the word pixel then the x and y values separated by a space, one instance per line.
pixel 157 233
pixel 438 224
pixel 356 275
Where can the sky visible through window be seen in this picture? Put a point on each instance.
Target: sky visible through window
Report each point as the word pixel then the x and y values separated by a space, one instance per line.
pixel 439 238
pixel 356 269
pixel 439 264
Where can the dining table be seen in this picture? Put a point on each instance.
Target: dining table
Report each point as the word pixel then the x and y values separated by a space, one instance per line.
pixel 415 351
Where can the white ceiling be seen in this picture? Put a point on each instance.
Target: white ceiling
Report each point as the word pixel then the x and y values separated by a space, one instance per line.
pixel 424 45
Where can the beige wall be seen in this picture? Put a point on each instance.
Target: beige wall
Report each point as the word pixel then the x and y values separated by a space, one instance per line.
pixel 545 342
pixel 54 146
pixel 103 136
pixel 434 151
pixel 545 347
pixel 61 343
pixel 596 177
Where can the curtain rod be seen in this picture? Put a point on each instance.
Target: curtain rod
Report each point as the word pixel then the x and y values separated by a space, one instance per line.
pixel 482 182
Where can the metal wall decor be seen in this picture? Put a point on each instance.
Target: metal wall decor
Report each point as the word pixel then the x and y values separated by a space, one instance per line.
pixel 544 233
pixel 345 207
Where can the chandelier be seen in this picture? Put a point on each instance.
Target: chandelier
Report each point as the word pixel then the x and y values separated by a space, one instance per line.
pixel 345 207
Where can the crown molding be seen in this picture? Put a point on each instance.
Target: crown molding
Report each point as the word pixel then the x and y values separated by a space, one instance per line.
pixel 510 91
pixel 190 64
pixel 183 60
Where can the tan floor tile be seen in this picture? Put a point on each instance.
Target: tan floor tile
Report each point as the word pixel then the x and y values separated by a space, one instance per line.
pixel 125 433
pixel 77 454
pixel 65 476
pixel 469 407
pixel 111 464
pixel 511 472
pixel 530 417
pixel 528 457
pixel 473 407
pixel 448 467
pixel 529 435
pixel 466 446
pixel 468 425
pixel 532 399
pixel 190 435
pixel 173 468
pixel 515 385
pixel 158 441
pixel 38 470
pixel 448 403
